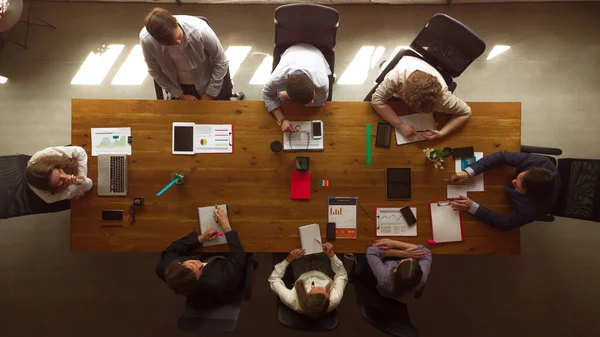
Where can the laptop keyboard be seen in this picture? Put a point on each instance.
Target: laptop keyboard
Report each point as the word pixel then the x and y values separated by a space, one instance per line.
pixel 117 174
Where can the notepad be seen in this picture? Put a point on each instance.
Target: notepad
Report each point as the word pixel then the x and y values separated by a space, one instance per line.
pixel 206 216
pixel 455 191
pixel 445 222
pixel 310 238
pixel 419 121
pixel 302 139
pixel 300 186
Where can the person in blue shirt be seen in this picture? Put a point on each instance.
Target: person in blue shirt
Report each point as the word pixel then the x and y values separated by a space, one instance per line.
pixel 533 192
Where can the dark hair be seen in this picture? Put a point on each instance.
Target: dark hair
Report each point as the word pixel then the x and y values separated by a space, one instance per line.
pixel 422 91
pixel 181 279
pixel 300 88
pixel 38 173
pixel 312 305
pixel 406 277
pixel 538 183
pixel 160 24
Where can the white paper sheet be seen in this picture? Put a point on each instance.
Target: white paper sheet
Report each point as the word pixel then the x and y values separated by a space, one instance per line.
pixel 213 138
pixel 455 191
pixel 110 141
pixel 207 220
pixel 310 239
pixel 390 222
pixel 473 184
pixel 445 223
pixel 419 121
pixel 302 139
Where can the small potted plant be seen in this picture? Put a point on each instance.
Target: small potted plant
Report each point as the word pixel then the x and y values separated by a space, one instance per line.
pixel 436 156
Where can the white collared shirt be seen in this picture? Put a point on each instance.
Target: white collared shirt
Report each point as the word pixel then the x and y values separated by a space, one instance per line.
pixel 298 59
pixel 185 75
pixel 289 297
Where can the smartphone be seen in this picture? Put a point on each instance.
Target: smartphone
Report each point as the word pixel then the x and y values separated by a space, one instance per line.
pixel 331 231
pixel 112 215
pixel 317 129
pixel 408 215
pixel 384 135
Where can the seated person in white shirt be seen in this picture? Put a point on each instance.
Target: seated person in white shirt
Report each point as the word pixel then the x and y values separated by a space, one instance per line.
pixel 301 77
pixel 58 173
pixel 319 281
pixel 185 57
pixel 423 89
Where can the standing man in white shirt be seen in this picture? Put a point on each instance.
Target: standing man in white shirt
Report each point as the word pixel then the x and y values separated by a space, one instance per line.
pixel 185 57
pixel 301 77
pixel 320 280
pixel 423 89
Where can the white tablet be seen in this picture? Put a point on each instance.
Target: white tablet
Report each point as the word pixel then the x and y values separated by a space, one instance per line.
pixel 183 138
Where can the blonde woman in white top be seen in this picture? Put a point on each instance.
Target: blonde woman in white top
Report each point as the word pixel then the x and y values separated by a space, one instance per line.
pixel 423 89
pixel 58 173
pixel 319 284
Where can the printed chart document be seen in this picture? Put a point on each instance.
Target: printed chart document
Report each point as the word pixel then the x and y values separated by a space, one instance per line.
pixel 390 222
pixel 343 211
pixel 110 141
pixel 419 121
pixel 213 138
pixel 474 184
pixel 445 222
pixel 206 216
pixel 302 139
pixel 310 238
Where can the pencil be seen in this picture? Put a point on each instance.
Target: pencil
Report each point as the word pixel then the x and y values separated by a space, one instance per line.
pixel 361 206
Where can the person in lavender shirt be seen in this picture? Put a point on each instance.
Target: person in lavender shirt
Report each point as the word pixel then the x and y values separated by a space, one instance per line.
pixel 405 273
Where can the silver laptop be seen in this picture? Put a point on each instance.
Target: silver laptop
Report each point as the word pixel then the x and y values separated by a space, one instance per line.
pixel 112 174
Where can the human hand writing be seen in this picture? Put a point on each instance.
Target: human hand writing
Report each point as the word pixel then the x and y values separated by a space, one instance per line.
pixel 328 249
pixel 208 235
pixel 407 130
pixel 222 219
pixel 459 178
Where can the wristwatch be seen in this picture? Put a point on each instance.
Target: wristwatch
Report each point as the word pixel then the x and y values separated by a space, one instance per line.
pixel 280 121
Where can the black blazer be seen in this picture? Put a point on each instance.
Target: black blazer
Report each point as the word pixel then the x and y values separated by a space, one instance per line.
pixel 221 281
pixel 526 210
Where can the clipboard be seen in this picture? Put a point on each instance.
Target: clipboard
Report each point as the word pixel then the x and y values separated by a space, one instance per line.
pixel 446 223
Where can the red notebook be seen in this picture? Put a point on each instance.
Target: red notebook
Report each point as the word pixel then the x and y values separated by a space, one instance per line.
pixel 300 186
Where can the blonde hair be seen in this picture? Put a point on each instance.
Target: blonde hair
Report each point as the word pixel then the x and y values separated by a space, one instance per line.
pixel 422 91
pixel 312 305
pixel 38 173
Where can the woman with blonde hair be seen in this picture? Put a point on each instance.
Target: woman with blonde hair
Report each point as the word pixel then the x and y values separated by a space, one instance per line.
pixel 319 281
pixel 58 173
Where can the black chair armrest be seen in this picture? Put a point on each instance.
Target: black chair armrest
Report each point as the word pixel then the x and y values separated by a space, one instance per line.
pixel 251 265
pixel 541 150
pixel 159 91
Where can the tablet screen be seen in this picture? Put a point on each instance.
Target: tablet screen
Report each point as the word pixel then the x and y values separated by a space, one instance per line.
pixel 183 139
pixel 398 183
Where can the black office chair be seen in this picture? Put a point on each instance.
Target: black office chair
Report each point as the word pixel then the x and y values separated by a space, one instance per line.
pixel 307 23
pixel 161 94
pixel 579 196
pixel 444 43
pixel 290 319
pixel 16 197
pixel 218 319
pixel 387 315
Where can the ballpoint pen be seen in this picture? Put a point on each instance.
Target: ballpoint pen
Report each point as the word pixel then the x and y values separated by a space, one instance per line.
pixel 318 241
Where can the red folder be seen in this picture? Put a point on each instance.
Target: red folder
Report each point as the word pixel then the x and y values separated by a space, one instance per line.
pixel 300 186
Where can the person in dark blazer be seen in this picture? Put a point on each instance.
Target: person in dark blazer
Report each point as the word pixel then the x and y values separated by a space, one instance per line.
pixel 208 282
pixel 533 192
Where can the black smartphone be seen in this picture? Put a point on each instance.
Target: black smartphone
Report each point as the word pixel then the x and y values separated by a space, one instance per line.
pixel 398 183
pixel 408 215
pixel 331 231
pixel 384 135
pixel 112 215
pixel 463 152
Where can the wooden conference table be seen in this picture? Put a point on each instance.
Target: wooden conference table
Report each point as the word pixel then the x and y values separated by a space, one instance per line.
pixel 255 182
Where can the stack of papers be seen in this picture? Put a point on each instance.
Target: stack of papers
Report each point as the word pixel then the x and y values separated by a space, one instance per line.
pixel 302 139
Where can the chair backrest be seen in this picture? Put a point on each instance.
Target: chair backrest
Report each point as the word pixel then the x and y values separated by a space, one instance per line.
pixel 579 195
pixel 448 44
pixel 16 198
pixel 290 319
pixel 213 320
pixel 385 314
pixel 306 23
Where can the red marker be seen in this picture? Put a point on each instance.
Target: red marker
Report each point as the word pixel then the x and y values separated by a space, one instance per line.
pixel 431 242
pixel 219 234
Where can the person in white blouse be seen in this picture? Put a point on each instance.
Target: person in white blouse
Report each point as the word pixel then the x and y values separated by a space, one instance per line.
pixel 58 173
pixel 423 89
pixel 319 283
